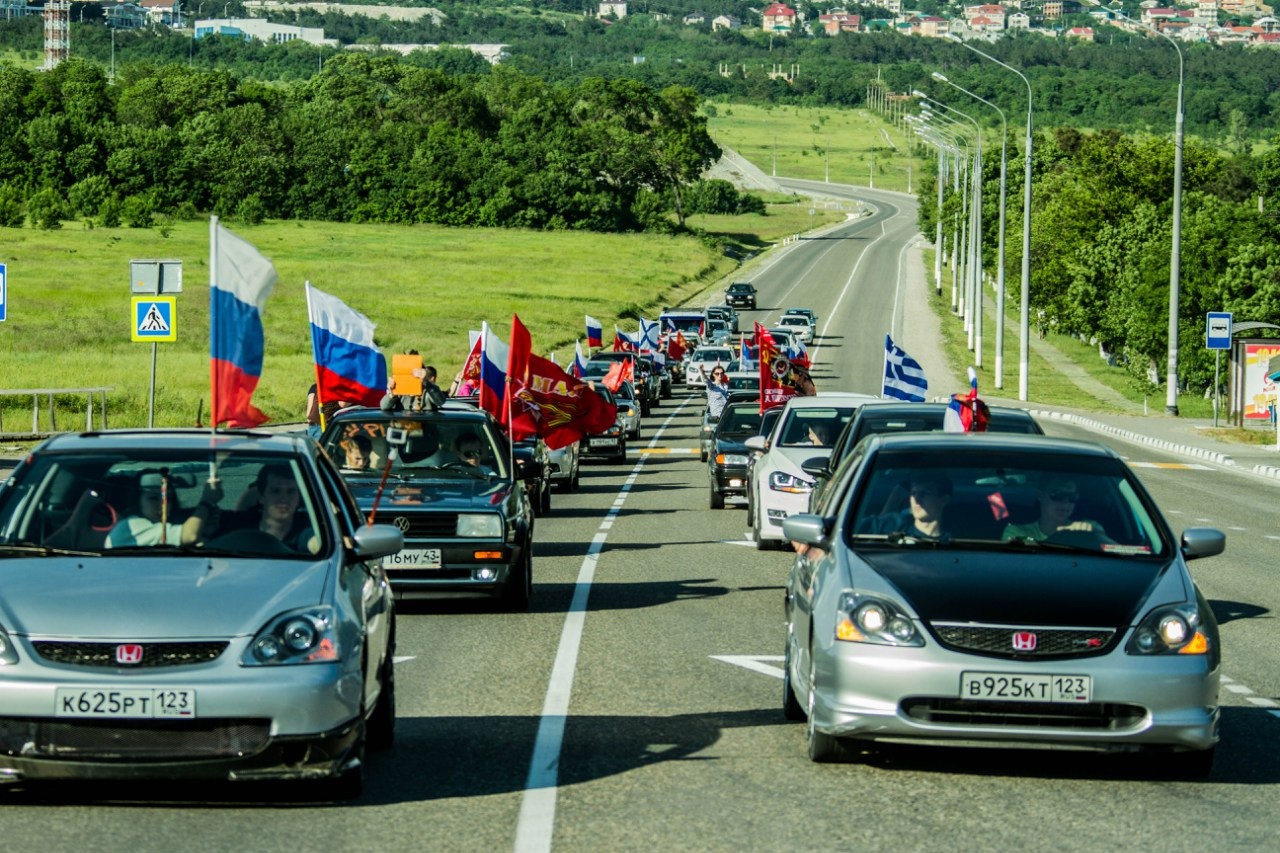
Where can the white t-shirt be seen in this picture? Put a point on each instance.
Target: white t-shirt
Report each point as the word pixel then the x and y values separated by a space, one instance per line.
pixel 136 530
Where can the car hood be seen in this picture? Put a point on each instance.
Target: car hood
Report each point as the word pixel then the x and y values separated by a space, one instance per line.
pixel 1020 588
pixel 731 445
pixel 789 459
pixel 454 493
pixel 127 598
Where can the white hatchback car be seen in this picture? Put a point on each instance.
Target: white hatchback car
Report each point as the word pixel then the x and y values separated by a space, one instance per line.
pixel 807 428
pixel 799 324
pixel 698 367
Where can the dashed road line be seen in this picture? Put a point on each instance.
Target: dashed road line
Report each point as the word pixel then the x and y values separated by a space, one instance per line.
pixel 1172 466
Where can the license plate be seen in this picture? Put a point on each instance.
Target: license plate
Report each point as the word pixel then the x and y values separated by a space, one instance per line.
pixel 1003 687
pixel 133 702
pixel 414 558
pixel 603 442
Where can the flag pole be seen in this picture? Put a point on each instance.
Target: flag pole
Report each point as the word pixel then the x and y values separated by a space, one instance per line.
pixel 213 319
pixel 315 357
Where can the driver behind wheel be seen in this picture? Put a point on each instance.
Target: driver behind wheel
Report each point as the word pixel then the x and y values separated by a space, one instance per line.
pixel 276 512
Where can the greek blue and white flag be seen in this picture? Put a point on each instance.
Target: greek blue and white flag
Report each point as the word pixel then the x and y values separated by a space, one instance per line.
pixel 903 375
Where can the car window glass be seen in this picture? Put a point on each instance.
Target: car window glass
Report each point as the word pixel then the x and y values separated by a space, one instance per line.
pixel 144 498
pixel 1090 503
pixel 804 425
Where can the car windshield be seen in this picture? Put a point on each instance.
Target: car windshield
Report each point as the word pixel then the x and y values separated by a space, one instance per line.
pixel 144 500
pixel 794 320
pixel 744 382
pixel 710 355
pixel 740 288
pixel 814 426
pixel 455 447
pixel 686 324
pixel 1005 500
pixel 739 421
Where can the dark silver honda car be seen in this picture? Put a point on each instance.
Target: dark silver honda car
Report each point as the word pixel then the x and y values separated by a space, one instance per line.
pixel 181 604
pixel 999 589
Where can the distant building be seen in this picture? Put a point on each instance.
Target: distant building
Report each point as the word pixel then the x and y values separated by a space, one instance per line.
pixel 252 28
pixel 929 26
pixel 840 22
pixel 167 13
pixel 725 22
pixel 612 10
pixel 1082 33
pixel 694 19
pixel 1018 21
pixel 778 18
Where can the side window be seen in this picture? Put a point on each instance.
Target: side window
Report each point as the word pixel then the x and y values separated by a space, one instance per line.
pixel 845 474
pixel 341 503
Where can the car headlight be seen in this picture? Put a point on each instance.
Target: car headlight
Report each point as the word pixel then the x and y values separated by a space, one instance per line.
pixel 299 636
pixel 781 481
pixel 8 653
pixel 870 619
pixel 480 525
pixel 1174 630
pixel 730 459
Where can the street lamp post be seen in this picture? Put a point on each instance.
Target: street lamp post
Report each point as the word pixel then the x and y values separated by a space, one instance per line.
pixel 1175 253
pixel 1004 160
pixel 1024 320
pixel 959 263
pixel 972 309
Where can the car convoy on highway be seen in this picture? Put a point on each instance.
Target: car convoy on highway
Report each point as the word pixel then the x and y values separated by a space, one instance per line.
pixel 175 604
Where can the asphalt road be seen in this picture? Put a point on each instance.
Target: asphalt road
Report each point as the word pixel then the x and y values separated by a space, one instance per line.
pixel 637 707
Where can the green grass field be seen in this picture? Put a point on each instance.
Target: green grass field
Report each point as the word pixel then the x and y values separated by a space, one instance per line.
pixel 843 146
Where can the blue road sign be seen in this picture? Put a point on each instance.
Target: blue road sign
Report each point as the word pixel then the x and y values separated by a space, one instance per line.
pixel 4 286
pixel 1217 330
pixel 153 319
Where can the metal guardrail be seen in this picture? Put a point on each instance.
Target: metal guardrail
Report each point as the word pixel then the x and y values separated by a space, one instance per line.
pixel 36 394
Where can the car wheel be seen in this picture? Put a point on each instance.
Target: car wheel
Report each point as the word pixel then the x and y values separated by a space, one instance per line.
pixel 518 589
pixel 762 544
pixel 576 479
pixel 791 707
pixel 380 730
pixel 717 499
pixel 620 457
pixel 822 747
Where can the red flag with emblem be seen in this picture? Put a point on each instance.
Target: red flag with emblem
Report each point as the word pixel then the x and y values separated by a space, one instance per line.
pixel 547 401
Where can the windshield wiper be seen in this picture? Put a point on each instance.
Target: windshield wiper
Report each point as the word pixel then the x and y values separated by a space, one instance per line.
pixel 1035 544
pixel 45 551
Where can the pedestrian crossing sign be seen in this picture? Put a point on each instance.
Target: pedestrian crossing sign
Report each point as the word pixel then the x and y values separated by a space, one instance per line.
pixel 153 318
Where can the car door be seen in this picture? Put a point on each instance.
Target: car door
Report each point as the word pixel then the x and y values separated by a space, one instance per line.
pixel 364 583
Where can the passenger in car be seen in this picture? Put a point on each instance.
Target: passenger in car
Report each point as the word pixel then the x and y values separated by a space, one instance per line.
pixel 1058 497
pixel 928 494
pixel 154 522
pixel 359 451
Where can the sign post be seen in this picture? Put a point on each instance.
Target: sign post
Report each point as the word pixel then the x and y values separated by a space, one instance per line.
pixel 154 314
pixel 1217 337
pixel 4 286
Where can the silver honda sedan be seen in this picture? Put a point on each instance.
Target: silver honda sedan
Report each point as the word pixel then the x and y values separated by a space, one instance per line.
pixel 999 589
pixel 182 604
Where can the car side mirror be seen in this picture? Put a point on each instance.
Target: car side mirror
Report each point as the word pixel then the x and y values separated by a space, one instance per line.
pixel 1202 542
pixel 757 442
pixel 377 540
pixel 529 469
pixel 806 529
pixel 816 466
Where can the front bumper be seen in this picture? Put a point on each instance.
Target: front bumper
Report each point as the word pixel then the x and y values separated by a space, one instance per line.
pixel 776 506
pixel 896 694
pixel 729 479
pixel 603 445
pixel 462 573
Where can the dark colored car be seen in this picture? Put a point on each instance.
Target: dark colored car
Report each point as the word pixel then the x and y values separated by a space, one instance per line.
pixel 727 461
pixel 726 313
pixel 455 488
pixel 644 375
pixel 610 444
pixel 741 294
pixel 538 481
pixel 892 417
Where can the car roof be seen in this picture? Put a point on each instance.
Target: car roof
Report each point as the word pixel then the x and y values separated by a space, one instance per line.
pixel 176 439
pixel 967 442
pixel 827 399
pixel 890 408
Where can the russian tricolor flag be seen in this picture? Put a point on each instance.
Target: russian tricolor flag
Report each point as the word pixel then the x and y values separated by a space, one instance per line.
pixel 240 281
pixel 579 367
pixel 595 332
pixel 493 374
pixel 349 365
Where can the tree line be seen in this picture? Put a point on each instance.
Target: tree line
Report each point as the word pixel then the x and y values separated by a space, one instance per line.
pixel 1101 241
pixel 368 139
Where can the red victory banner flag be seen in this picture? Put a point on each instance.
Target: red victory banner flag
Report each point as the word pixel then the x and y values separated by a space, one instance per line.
pixel 547 401
pixel 773 367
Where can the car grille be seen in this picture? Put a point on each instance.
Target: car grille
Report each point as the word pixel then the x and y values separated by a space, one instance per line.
pixel 999 640
pixel 423 525
pixel 974 712
pixel 117 740
pixel 153 654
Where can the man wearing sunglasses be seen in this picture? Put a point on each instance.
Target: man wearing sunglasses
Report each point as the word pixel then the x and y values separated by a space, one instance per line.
pixel 1058 496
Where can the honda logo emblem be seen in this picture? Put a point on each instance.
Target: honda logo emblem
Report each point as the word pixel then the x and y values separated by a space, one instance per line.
pixel 127 653
pixel 1024 641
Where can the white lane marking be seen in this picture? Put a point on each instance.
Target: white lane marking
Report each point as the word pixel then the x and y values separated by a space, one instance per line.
pixel 536 823
pixel 755 663
pixel 1271 536
pixel 1262 701
pixel 1236 688
pixel 402 658
pixel 1238 529
pixel 746 542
